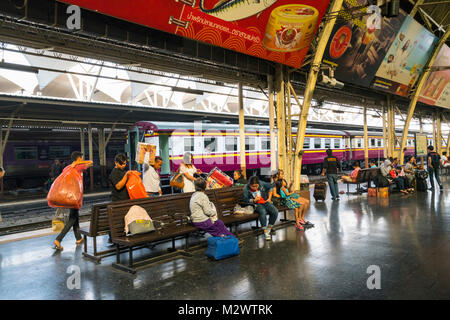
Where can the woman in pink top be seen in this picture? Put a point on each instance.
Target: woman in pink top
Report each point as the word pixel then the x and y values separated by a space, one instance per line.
pixel 80 165
pixel 353 174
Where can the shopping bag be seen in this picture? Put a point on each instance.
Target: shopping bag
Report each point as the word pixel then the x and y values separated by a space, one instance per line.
pixel 222 247
pixel 142 150
pixel 67 190
pixel 177 180
pixel 59 220
pixel 383 192
pixel 372 192
pixel 217 179
pixel 135 186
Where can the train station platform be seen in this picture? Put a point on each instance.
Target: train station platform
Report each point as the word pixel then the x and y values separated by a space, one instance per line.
pixel 406 236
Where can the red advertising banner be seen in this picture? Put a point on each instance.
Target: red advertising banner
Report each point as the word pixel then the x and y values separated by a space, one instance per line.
pixel 436 89
pixel 276 30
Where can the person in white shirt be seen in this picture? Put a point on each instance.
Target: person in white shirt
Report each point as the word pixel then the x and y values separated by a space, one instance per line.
pixel 151 179
pixel 444 160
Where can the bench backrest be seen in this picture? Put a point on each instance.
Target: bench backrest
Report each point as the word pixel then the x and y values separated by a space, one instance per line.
pixel 226 200
pixel 99 219
pixel 365 175
pixel 171 210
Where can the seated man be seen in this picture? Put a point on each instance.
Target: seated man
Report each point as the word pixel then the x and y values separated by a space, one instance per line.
pixel 353 174
pixel 410 171
pixel 372 164
pixel 259 193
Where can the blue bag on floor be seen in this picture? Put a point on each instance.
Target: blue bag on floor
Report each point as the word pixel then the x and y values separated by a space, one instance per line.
pixel 222 247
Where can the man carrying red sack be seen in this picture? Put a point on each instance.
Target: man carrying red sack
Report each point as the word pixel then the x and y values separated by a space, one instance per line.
pixel 79 165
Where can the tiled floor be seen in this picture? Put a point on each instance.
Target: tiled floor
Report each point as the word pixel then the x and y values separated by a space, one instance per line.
pixel 407 237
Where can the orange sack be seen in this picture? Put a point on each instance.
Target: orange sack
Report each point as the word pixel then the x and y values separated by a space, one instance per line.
pixel 135 186
pixel 67 190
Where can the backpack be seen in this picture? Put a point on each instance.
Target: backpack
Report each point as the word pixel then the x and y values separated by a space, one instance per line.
pixel 435 159
pixel 380 181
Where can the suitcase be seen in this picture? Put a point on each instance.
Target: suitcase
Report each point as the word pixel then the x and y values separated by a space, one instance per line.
pixel 372 192
pixel 383 192
pixel 320 191
pixel 222 247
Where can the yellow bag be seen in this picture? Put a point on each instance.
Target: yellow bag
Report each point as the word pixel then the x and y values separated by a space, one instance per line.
pixel 383 192
pixel 57 225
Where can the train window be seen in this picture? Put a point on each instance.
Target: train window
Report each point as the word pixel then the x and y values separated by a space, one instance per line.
pixel 210 144
pixel 265 143
pixel 358 143
pixel 327 143
pixel 372 142
pixel 26 153
pixel 189 144
pixel 337 143
pixel 59 152
pixel 231 144
pixel 379 142
pixel 317 143
pixel 250 143
pixel 306 143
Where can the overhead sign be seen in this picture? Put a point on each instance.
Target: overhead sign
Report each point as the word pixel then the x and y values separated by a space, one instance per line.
pixel 276 30
pixel 436 89
pixel 359 42
pixel 421 144
pixel 405 58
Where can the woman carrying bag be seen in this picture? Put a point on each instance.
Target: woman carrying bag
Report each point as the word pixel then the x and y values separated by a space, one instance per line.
pixel 187 169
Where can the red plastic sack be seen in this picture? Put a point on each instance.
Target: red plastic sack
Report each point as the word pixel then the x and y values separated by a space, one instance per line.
pixel 218 179
pixel 67 190
pixel 135 186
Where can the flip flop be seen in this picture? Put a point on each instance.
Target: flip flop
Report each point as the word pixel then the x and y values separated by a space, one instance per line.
pixel 57 246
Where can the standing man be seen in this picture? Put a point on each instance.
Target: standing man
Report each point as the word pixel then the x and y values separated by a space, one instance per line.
pixel 433 167
pixel 331 165
pixel 74 218
pixel 118 179
pixel 151 179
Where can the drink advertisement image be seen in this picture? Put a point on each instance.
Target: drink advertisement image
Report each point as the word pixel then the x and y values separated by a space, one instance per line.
pixel 357 47
pixel 276 30
pixel 436 89
pixel 405 59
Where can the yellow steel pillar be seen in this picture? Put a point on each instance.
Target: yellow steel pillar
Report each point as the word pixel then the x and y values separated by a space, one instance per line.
pixel 434 130
pixel 279 87
pixel 418 89
pixel 289 131
pixel 309 90
pixel 366 140
pixel 242 131
pixel 91 157
pixel 385 143
pixel 438 133
pixel 273 149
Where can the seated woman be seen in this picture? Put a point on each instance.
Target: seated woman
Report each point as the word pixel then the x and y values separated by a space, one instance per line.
pixel 372 164
pixel 239 179
pixel 288 201
pixel 399 180
pixel 275 193
pixel 203 212
pixel 353 174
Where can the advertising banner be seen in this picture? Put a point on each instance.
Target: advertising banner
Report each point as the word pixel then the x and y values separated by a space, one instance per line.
pixel 421 144
pixel 436 89
pixel 405 59
pixel 357 47
pixel 276 30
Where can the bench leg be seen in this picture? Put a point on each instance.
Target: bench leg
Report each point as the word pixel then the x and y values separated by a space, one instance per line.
pixel 95 245
pixel 85 243
pixel 173 246
pixel 186 245
pixel 130 261
pixel 117 253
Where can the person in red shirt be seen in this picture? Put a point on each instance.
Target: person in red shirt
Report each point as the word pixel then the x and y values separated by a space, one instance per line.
pixel 74 219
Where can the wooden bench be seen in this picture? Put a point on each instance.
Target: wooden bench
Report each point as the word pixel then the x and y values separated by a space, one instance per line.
pixel 364 175
pixel 99 226
pixel 171 210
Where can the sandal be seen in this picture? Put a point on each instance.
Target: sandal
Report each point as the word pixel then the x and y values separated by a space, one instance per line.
pixel 299 227
pixel 57 245
pixel 302 221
